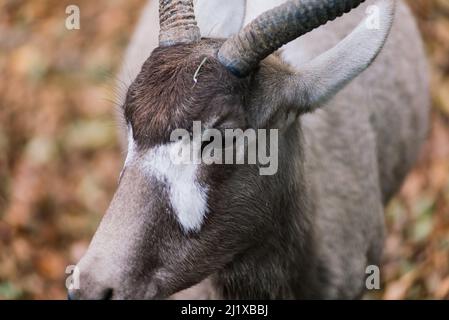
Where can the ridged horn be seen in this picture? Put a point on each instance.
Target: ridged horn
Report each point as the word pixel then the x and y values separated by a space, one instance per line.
pixel 271 30
pixel 177 22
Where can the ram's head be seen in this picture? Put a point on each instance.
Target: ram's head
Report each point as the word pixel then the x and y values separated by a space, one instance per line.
pixel 170 225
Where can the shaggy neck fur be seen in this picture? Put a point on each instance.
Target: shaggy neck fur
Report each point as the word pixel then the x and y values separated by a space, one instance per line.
pixel 284 265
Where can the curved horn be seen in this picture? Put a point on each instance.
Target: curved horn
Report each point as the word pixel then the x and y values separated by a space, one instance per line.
pixel 274 28
pixel 177 22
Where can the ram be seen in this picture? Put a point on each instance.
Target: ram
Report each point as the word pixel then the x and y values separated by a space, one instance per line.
pixel 350 104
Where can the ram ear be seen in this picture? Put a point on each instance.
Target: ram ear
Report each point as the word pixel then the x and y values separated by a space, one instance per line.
pixel 218 18
pixel 319 80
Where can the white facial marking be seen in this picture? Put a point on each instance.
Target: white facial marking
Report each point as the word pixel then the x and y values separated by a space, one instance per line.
pixel 187 197
pixel 131 147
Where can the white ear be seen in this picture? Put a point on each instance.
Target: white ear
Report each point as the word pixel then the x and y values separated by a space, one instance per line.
pixel 327 74
pixel 218 18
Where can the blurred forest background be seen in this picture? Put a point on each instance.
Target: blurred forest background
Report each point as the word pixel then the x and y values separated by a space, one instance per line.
pixel 60 157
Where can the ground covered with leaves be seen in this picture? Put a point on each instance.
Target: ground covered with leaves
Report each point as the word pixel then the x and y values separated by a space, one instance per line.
pixel 60 156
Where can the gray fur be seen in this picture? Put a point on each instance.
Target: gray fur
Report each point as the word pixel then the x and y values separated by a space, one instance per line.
pixel 307 232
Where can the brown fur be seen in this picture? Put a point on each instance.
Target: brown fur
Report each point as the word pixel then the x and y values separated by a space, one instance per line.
pixel 164 96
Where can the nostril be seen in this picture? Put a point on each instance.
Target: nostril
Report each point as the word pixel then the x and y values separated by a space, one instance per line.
pixel 107 294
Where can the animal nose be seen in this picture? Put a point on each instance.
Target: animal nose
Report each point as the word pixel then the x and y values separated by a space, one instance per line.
pixel 89 281
pixel 89 287
pixel 78 294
